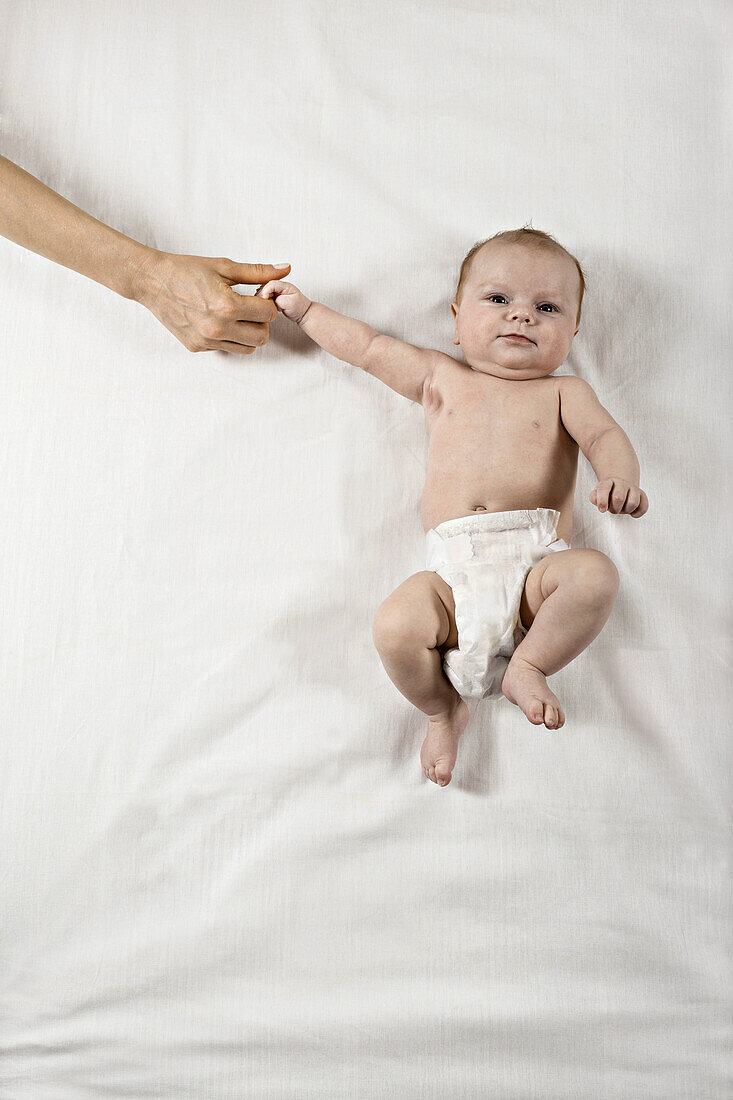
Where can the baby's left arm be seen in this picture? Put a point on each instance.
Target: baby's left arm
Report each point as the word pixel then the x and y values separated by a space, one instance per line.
pixel 606 446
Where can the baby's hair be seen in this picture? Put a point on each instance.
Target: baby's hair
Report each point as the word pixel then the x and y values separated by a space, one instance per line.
pixel 530 238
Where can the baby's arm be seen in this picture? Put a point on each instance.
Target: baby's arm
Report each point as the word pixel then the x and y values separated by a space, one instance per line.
pixel 606 446
pixel 401 366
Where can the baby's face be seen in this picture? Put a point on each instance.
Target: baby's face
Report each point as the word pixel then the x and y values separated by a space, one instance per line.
pixel 511 289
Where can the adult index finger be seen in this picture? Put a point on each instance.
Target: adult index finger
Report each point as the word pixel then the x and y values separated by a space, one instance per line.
pixel 251 274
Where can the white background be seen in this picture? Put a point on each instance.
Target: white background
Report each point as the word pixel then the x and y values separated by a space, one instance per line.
pixel 223 873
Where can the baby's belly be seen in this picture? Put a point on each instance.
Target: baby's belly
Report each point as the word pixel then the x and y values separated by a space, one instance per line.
pixel 467 490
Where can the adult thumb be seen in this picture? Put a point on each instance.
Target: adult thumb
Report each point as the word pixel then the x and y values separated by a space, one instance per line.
pixel 251 274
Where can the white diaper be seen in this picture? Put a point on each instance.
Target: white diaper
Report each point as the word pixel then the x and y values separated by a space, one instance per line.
pixel 485 558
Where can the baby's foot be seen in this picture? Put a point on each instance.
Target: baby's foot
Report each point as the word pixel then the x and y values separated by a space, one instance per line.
pixel 526 686
pixel 439 749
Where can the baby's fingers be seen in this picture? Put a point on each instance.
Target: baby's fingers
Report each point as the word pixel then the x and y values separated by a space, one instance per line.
pixel 619 497
pixel 601 493
pixel 642 506
pixel 632 501
pixel 269 290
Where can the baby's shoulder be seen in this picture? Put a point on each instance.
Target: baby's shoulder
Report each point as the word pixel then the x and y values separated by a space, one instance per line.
pixel 445 366
pixel 442 368
pixel 571 384
pixel 447 362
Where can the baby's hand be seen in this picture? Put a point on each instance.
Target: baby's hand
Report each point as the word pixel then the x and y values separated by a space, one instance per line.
pixel 287 298
pixel 620 497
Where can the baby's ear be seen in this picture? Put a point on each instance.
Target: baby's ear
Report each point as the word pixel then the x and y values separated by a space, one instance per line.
pixel 454 311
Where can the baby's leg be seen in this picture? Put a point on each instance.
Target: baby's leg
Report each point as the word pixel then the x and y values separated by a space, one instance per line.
pixel 566 600
pixel 412 629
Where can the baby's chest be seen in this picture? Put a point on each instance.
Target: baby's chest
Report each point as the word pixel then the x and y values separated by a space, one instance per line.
pixel 513 418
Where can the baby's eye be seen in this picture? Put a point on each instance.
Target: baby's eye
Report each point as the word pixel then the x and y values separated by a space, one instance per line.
pixel 549 305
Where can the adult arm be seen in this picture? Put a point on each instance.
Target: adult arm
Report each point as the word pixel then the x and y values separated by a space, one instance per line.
pixel 191 296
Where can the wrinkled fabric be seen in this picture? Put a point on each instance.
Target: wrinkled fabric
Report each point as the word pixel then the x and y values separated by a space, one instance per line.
pixel 223 874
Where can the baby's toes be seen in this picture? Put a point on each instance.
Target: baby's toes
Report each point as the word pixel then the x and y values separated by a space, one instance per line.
pixel 442 772
pixel 536 711
pixel 557 718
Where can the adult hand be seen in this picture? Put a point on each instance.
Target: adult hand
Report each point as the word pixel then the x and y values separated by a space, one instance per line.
pixel 192 297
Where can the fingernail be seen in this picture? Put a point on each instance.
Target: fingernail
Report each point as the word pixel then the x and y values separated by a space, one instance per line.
pixel 286 264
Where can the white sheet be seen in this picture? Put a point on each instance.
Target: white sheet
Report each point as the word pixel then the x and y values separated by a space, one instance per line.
pixel 223 872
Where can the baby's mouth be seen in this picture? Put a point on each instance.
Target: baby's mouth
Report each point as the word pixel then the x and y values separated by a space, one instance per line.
pixel 515 337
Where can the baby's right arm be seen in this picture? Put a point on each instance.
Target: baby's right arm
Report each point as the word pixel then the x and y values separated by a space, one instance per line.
pixel 401 366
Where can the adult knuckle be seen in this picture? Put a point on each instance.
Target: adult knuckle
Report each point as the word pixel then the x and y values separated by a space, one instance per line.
pixel 210 328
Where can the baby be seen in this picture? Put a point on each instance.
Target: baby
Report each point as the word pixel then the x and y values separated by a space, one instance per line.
pixel 504 601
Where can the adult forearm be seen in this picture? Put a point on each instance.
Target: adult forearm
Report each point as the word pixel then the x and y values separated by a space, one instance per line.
pixel 344 337
pixel 37 218
pixel 613 456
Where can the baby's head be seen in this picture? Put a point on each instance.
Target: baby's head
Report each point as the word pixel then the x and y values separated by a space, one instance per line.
pixel 519 281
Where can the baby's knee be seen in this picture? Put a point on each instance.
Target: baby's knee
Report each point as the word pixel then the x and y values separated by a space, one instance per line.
pixel 411 616
pixel 596 573
pixel 391 629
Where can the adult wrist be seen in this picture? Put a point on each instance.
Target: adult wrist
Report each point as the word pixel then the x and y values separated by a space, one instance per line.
pixel 138 279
